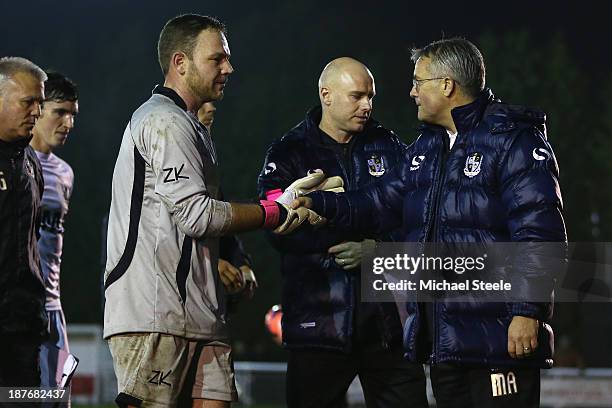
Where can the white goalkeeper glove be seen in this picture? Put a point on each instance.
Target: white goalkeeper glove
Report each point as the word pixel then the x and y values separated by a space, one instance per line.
pixel 312 182
pixel 296 217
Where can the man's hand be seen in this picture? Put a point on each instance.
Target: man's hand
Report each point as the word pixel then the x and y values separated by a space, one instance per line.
pixel 231 277
pixel 250 282
pixel 305 202
pixel 295 218
pixel 312 182
pixel 237 280
pixel 522 336
pixel 297 215
pixel 349 254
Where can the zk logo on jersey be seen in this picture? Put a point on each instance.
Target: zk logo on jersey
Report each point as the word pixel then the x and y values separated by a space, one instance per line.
pixel 472 165
pixel 173 174
pixel 416 162
pixel 159 378
pixel 376 166
pixel 503 384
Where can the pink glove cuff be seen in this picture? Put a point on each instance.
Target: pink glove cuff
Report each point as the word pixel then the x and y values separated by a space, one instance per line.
pixel 274 194
pixel 271 213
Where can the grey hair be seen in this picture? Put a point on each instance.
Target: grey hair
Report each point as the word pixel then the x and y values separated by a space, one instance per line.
pixel 9 66
pixel 458 59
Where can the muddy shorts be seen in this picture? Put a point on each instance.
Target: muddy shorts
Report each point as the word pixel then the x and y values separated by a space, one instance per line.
pixel 160 370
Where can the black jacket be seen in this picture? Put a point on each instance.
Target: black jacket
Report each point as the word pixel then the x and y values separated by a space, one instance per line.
pixel 319 298
pixel 22 289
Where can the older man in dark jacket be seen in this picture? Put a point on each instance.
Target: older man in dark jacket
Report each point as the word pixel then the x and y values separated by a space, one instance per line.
pixel 480 172
pixel 23 321
pixel 331 335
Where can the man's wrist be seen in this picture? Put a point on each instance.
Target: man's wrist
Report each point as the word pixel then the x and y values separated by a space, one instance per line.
pixel 526 309
pixel 274 214
pixel 318 203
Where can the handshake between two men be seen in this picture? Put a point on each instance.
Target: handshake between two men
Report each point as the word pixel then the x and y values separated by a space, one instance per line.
pixel 297 214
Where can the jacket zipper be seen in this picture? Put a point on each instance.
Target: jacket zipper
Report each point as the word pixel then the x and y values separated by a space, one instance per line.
pixel 434 232
pixel 351 183
pixel 340 160
pixel 15 184
pixel 350 157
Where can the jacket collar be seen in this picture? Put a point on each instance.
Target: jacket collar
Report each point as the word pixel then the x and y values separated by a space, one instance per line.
pixel 170 93
pixel 311 123
pixel 466 117
pixel 12 149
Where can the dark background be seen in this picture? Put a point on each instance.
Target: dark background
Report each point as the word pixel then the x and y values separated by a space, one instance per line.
pixel 542 54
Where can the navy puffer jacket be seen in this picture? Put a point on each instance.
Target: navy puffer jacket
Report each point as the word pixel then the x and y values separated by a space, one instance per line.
pixel 498 183
pixel 318 296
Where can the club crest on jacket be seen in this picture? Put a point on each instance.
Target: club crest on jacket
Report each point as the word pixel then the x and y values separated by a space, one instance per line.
pixel 376 166
pixel 472 165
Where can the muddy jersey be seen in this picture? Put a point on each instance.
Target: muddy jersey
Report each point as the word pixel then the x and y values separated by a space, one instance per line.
pixel 164 223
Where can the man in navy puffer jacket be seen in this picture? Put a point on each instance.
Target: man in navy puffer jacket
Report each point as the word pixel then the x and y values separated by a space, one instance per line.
pixel 480 172
pixel 331 335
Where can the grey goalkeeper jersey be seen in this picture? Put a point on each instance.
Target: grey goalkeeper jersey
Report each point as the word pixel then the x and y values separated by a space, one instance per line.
pixel 59 179
pixel 162 251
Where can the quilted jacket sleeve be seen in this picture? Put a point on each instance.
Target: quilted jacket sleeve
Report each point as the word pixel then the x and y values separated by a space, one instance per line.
pixel 373 210
pixel 529 178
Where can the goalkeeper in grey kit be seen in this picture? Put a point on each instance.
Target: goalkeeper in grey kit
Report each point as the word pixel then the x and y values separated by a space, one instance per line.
pixel 165 314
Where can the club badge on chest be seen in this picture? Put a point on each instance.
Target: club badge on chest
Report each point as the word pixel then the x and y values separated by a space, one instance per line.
pixel 376 166
pixel 472 165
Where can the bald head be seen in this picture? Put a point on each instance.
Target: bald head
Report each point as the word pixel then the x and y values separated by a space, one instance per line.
pixel 343 69
pixel 346 89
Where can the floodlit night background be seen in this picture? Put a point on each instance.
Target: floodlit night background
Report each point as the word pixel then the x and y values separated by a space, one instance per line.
pixel 537 53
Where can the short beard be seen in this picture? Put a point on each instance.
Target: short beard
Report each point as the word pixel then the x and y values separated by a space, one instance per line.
pixel 196 88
